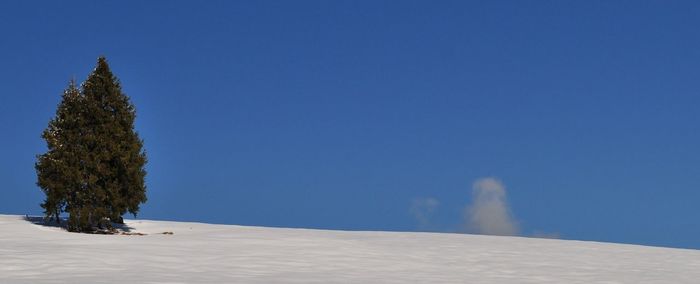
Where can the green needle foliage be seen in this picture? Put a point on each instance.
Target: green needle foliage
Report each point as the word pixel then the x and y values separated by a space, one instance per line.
pixel 94 166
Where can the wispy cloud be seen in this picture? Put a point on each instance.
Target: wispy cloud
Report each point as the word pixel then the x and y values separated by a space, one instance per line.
pixel 489 213
pixel 423 209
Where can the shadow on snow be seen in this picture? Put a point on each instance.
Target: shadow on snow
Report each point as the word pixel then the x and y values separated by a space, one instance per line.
pixel 41 221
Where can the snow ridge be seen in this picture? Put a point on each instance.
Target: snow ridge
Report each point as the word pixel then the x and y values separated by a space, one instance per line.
pixel 206 253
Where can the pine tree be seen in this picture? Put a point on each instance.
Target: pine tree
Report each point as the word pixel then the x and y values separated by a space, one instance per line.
pixel 94 166
pixel 58 170
pixel 116 156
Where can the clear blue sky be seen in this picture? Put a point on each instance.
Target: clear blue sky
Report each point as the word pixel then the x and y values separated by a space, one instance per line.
pixel 338 114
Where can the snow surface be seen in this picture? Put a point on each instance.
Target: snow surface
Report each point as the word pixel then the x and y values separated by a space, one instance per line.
pixel 205 253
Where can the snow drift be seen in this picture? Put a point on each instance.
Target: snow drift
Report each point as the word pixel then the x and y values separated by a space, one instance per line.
pixel 205 253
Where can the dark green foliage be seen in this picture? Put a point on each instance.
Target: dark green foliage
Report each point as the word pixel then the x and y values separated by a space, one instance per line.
pixel 59 169
pixel 94 166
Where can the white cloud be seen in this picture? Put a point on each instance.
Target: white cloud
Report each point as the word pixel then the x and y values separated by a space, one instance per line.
pixel 489 213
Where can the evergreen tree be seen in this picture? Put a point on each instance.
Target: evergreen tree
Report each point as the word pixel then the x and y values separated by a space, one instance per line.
pixel 94 166
pixel 116 157
pixel 59 169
